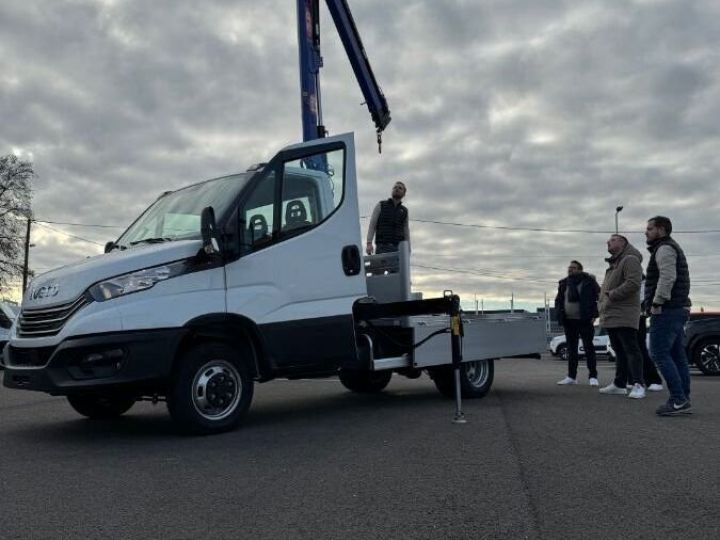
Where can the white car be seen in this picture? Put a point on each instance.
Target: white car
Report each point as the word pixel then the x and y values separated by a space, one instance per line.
pixel 601 343
pixel 8 312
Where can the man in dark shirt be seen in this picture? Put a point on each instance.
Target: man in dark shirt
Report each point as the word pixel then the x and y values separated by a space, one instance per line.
pixel 576 308
pixel 389 223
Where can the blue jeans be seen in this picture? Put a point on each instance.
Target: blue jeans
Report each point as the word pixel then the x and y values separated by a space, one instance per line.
pixel 667 349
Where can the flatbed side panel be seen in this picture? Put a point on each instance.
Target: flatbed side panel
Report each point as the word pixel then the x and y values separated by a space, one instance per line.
pixel 484 338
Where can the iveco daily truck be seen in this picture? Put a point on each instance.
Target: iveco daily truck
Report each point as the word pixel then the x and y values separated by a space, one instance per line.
pixel 239 280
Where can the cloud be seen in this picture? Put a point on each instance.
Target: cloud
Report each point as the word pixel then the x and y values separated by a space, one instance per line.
pixel 515 113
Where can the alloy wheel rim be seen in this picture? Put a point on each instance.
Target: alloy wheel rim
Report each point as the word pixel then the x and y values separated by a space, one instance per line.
pixel 710 356
pixel 216 390
pixel 476 372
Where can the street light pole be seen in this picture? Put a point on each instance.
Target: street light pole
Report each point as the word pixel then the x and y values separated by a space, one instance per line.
pixel 617 211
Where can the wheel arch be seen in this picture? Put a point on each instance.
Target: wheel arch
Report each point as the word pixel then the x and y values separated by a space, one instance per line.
pixel 236 330
pixel 697 338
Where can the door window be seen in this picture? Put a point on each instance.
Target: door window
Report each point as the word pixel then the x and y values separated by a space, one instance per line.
pixel 312 189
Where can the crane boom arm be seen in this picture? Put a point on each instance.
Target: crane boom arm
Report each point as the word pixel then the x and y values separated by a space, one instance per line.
pixel 350 37
pixel 311 62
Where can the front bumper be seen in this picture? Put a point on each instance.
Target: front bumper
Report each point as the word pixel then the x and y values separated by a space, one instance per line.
pixel 137 361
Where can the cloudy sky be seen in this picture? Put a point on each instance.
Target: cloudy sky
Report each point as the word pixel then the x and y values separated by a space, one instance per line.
pixel 509 116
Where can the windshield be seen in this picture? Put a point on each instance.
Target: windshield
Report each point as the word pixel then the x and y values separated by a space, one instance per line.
pixel 176 215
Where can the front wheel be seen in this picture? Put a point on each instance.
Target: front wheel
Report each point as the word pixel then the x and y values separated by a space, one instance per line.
pixel 476 378
pixel 706 355
pixel 365 382
pixel 562 352
pixel 211 390
pixel 99 407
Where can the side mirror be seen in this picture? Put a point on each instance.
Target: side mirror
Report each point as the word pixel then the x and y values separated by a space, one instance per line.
pixel 208 229
pixel 109 247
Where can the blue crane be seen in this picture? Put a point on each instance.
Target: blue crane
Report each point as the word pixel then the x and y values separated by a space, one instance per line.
pixel 308 12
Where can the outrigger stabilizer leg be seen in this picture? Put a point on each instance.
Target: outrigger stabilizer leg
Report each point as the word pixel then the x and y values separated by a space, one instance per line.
pixel 456 346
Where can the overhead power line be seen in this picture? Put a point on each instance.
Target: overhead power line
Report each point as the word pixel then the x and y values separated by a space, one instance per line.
pixel 42 224
pixel 79 224
pixel 543 229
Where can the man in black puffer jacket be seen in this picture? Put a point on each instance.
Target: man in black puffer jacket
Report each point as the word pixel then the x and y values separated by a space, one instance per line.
pixel 576 308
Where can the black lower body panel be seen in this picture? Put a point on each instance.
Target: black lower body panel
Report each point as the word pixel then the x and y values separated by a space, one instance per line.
pixel 134 361
pixel 310 345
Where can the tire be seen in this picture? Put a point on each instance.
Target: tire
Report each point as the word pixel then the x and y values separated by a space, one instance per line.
pixel 706 355
pixel 476 378
pixel 101 407
pixel 562 353
pixel 365 382
pixel 211 389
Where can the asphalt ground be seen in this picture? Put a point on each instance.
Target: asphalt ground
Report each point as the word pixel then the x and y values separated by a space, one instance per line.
pixel 315 461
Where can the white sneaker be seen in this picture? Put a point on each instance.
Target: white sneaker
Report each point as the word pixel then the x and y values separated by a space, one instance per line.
pixel 655 388
pixel 613 390
pixel 637 392
pixel 567 380
pixel 593 381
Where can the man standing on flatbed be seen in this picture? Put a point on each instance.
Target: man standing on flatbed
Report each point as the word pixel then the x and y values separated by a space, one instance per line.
pixel 389 223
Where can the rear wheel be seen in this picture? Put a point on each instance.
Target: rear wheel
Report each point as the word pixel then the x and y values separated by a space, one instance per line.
pixel 101 407
pixel 211 390
pixel 706 355
pixel 365 382
pixel 476 378
pixel 562 352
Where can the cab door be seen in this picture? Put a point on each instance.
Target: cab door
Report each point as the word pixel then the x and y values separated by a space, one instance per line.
pixel 299 269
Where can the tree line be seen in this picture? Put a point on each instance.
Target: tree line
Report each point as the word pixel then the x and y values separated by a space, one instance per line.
pixel 16 176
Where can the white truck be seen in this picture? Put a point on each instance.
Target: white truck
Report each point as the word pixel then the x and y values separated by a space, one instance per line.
pixel 243 279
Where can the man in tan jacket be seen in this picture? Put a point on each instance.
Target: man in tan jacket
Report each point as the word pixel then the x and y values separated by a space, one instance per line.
pixel 619 307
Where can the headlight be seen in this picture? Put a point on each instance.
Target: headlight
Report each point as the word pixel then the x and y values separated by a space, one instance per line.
pixel 136 281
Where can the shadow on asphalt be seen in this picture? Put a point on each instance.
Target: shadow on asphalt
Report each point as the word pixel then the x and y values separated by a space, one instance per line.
pixel 146 422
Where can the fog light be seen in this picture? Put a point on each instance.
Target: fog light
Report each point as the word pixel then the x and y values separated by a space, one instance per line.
pixel 105 357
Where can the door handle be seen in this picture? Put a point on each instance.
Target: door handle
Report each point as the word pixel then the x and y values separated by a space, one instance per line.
pixel 351 260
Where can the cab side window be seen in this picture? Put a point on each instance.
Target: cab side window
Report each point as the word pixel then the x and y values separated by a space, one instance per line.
pixel 312 189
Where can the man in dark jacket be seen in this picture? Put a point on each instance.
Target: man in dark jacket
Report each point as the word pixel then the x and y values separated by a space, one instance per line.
pixel 667 300
pixel 576 308
pixel 389 223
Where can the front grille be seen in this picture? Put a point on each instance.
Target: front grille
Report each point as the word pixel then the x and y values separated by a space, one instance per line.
pixel 41 322
pixel 37 357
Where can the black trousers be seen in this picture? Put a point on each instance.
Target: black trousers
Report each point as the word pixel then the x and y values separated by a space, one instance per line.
pixel 649 369
pixel 385 248
pixel 576 329
pixel 628 358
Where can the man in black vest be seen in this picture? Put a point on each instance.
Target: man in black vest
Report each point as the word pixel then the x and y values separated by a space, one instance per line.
pixel 667 301
pixel 389 223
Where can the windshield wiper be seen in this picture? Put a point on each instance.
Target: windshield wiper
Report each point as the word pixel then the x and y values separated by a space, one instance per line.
pixel 151 241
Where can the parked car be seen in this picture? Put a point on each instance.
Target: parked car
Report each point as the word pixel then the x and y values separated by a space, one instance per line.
pixel 702 342
pixel 601 343
pixel 8 312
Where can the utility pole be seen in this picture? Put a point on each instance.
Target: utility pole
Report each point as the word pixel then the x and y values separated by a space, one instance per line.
pixel 27 254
